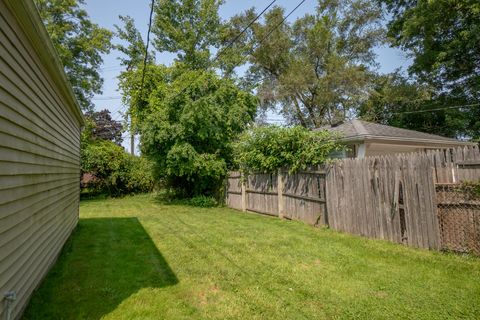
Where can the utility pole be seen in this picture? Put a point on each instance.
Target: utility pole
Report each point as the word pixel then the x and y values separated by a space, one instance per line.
pixel 132 137
pixel 132 143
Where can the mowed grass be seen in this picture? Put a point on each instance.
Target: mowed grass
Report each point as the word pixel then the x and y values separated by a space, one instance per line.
pixel 136 258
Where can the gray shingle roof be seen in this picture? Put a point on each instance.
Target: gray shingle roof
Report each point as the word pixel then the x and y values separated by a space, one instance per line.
pixel 361 130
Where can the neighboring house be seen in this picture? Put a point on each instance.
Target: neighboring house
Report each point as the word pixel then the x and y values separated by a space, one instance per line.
pixel 365 139
pixel 40 123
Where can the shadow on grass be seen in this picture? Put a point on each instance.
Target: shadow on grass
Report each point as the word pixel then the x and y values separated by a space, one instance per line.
pixel 105 261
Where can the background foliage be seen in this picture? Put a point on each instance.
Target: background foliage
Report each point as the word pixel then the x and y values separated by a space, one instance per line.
pixel 115 172
pixel 443 39
pixel 80 44
pixel 106 167
pixel 316 70
pixel 102 126
pixel 188 132
pixel 269 148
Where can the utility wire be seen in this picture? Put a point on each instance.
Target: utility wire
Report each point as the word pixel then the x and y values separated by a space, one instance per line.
pixel 438 109
pixel 107 98
pixel 278 25
pixel 146 46
pixel 243 31
pixel 411 112
pixel 229 45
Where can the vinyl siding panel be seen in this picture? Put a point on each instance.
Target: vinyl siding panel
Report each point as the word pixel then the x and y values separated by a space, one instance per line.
pixel 39 163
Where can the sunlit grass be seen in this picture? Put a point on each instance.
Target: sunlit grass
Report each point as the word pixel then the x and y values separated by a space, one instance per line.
pixel 136 258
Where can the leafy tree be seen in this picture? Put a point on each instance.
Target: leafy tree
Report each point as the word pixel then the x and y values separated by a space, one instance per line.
pixel 236 53
pixel 189 28
pixel 188 130
pixel 79 43
pixel 443 38
pixel 134 47
pixel 186 115
pixel 134 96
pixel 103 127
pixel 317 69
pixel 269 148
pixel 397 101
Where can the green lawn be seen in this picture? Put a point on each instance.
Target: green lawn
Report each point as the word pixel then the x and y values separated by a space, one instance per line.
pixel 136 258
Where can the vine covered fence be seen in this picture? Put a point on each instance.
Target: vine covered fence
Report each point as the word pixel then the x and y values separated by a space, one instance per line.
pixel 396 198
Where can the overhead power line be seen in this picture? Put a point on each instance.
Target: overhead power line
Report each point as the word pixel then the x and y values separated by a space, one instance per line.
pixel 111 68
pixel 107 98
pixel 146 47
pixel 229 45
pixel 279 24
pixel 438 109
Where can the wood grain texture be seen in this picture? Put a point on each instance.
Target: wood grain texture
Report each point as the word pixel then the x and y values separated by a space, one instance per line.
pixel 385 197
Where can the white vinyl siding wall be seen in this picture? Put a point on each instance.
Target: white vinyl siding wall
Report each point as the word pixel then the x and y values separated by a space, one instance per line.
pixel 39 165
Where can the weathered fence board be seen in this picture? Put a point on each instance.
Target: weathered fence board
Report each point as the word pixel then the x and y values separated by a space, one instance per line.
pixel 387 197
pixel 234 191
pixel 262 194
pixel 304 196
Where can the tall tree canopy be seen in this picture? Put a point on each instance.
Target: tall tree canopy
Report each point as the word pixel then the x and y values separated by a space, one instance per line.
pixel 443 40
pixel 396 100
pixel 133 46
pixel 189 28
pixel 316 69
pixel 79 43
pixel 103 127
pixel 187 127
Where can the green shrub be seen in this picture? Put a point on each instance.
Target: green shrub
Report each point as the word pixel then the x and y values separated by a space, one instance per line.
pixel 170 197
pixel 113 171
pixel 202 201
pixel 140 175
pixel 269 148
pixel 470 188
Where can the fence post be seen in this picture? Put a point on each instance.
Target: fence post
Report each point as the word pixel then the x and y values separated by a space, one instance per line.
pixel 244 193
pixel 281 209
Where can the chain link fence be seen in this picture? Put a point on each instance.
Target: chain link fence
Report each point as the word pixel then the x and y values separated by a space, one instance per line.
pixel 459 216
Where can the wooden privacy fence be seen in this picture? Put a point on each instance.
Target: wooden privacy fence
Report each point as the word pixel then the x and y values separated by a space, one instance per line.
pixel 390 197
pixel 300 196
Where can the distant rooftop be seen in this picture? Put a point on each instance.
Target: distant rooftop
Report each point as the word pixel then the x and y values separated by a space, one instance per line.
pixel 356 130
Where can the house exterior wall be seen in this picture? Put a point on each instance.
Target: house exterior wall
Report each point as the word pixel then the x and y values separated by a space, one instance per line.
pixel 39 154
pixel 372 149
pixel 378 149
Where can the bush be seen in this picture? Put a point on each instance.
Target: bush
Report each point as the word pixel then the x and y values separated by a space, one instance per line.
pixel 269 148
pixel 169 198
pixel 470 189
pixel 140 175
pixel 188 133
pixel 113 171
pixel 202 201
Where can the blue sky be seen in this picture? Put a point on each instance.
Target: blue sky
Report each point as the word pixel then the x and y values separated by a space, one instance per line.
pixel 106 12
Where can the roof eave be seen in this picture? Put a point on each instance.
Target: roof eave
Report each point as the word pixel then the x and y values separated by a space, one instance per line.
pixel 31 23
pixel 365 138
